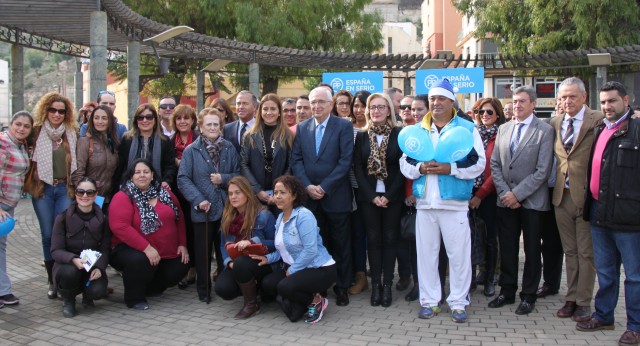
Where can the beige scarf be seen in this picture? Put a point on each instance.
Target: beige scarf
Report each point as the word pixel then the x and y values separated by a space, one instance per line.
pixel 43 153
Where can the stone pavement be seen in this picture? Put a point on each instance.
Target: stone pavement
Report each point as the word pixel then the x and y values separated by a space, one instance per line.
pixel 179 318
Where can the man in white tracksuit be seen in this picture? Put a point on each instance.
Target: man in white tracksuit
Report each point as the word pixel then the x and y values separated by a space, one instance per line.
pixel 443 191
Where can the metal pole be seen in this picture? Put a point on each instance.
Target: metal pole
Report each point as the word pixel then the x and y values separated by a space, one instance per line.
pixel 254 79
pixel 78 84
pixel 200 91
pixel 601 78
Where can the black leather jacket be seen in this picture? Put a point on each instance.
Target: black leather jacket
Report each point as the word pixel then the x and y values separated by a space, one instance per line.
pixel 618 204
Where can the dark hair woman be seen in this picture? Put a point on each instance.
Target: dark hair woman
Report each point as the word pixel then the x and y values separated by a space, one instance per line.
pixel 145 141
pixel 342 101
pixel 224 108
pixel 205 170
pixel 302 267
pixel 149 239
pixel 244 222
pixel 15 163
pixel 97 152
pixel 490 115
pixel 83 226
pixel 266 149
pixel 53 162
pixel 184 121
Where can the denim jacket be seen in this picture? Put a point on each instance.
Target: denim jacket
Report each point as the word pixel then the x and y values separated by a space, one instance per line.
pixel 263 233
pixel 303 241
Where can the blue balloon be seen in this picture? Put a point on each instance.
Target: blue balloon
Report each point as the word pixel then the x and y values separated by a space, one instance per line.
pixel 454 145
pixel 6 226
pixel 416 143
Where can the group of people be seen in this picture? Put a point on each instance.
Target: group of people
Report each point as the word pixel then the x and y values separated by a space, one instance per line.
pixel 322 183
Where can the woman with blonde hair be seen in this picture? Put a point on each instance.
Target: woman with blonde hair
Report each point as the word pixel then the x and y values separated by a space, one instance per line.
pixel 53 162
pixel 244 222
pixel 266 149
pixel 376 163
pixel 206 168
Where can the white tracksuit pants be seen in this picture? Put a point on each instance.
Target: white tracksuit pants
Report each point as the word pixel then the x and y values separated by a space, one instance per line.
pixel 453 227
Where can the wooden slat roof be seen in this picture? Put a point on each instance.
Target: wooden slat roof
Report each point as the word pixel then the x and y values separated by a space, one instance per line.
pixel 62 26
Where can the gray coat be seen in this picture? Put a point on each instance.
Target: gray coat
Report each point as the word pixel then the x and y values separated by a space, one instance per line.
pixel 526 173
pixel 194 178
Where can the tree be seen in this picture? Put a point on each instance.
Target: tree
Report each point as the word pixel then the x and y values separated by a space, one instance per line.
pixel 330 25
pixel 540 26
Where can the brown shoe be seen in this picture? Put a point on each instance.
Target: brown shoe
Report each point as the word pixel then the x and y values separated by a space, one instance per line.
pixel 360 285
pixel 629 338
pixel 581 314
pixel 592 325
pixel 567 310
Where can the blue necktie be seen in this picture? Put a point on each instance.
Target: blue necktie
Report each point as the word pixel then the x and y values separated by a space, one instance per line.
pixel 567 141
pixel 514 143
pixel 319 133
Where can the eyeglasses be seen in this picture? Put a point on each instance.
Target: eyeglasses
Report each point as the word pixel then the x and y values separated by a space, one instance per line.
pixel 289 110
pixel 56 110
pixel 106 92
pixel 380 108
pixel 167 106
pixel 482 111
pixel 89 193
pixel 145 117
pixel 405 107
pixel 343 104
pixel 319 102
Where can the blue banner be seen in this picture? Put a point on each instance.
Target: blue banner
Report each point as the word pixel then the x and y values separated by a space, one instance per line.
pixel 354 81
pixel 466 80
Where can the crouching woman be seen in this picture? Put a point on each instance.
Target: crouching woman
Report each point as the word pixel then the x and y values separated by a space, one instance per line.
pixel 82 226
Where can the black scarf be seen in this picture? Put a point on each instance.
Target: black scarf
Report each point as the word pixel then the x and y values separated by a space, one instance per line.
pixel 149 221
pixel 486 134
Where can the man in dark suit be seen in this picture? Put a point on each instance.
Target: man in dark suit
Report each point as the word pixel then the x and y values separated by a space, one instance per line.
pixel 246 106
pixel 520 165
pixel 574 138
pixel 321 158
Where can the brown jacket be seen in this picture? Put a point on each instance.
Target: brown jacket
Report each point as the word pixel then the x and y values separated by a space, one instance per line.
pixel 576 160
pixel 32 183
pixel 100 165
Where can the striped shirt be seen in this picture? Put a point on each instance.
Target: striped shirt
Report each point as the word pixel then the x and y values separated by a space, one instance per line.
pixel 14 163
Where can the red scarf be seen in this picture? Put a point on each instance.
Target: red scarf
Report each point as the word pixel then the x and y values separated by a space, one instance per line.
pixel 235 227
pixel 180 146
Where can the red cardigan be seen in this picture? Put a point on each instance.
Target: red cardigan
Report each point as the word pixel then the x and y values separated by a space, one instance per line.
pixel 124 220
pixel 487 187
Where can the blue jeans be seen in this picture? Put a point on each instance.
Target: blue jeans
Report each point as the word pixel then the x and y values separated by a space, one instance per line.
pixel 612 248
pixel 47 208
pixel 5 283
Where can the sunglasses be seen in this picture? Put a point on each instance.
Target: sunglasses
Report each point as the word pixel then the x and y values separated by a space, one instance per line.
pixel 145 117
pixel 107 92
pixel 405 107
pixel 482 111
pixel 167 106
pixel 89 193
pixel 55 110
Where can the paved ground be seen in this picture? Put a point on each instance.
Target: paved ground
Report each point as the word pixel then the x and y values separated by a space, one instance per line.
pixel 178 318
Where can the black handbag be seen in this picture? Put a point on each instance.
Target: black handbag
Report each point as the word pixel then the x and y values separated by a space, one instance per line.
pixel 408 224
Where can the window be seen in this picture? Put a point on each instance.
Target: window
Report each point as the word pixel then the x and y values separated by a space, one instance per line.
pixel 503 86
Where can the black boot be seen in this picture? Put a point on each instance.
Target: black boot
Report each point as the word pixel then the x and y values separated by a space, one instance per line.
pixel 474 285
pixel 68 302
pixel 51 292
pixel 87 302
pixel 386 296
pixel 489 280
pixel 414 294
pixel 376 294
